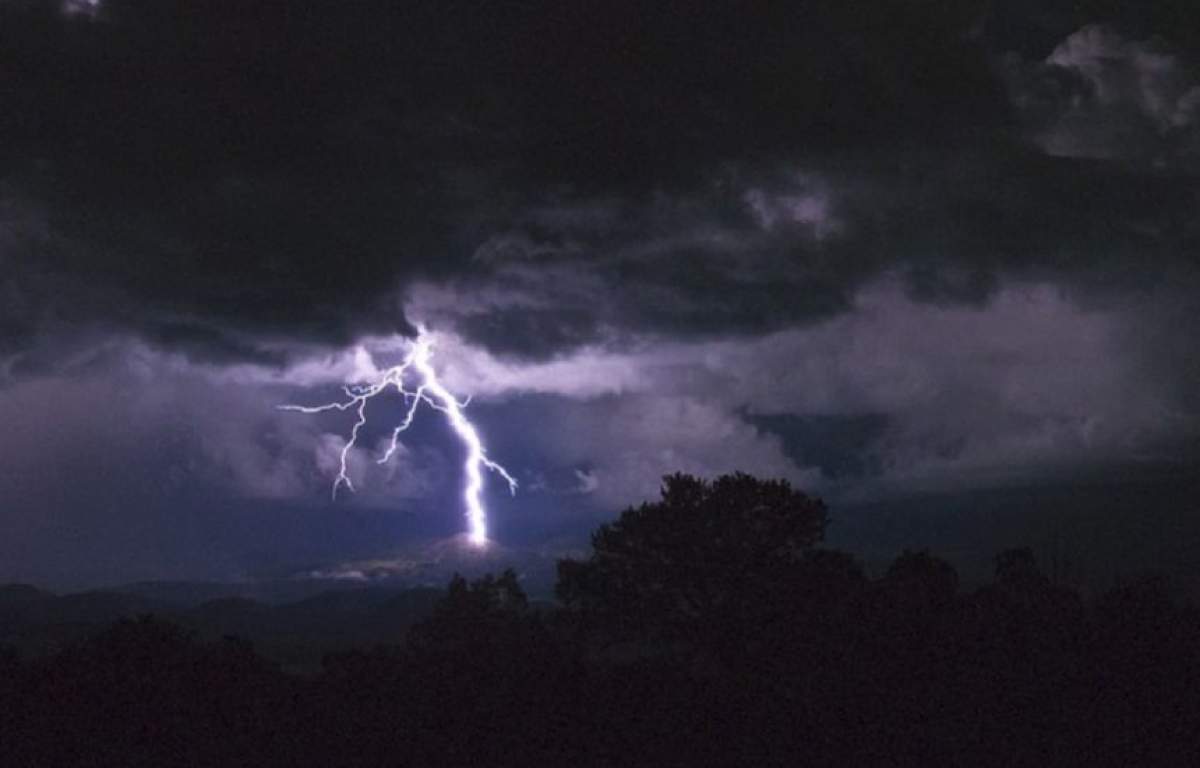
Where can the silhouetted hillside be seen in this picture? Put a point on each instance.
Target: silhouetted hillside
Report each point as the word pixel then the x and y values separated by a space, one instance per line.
pixel 18 600
pixel 297 635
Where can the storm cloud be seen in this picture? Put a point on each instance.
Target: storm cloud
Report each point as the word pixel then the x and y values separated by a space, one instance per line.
pixel 921 247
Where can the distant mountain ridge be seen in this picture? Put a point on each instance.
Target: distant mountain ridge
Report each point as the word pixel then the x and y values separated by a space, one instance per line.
pixel 295 617
pixel 295 634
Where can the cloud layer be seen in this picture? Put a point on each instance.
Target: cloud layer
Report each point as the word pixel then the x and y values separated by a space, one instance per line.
pixel 880 254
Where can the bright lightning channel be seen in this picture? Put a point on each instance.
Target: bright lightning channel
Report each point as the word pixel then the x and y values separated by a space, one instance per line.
pixel 428 390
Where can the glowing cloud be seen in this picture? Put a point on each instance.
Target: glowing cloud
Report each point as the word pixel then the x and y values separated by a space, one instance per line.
pixel 428 390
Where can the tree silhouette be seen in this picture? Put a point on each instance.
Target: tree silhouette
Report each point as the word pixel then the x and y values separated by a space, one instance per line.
pixel 919 581
pixel 485 656
pixel 705 629
pixel 1018 569
pixel 701 554
pixel 472 616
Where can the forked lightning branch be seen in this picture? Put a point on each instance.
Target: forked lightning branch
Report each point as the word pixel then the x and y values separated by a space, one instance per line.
pixel 427 389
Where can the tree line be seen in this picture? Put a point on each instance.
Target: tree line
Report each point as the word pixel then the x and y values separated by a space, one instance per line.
pixel 706 628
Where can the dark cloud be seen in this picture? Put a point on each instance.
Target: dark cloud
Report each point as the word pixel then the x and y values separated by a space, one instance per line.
pixel 254 168
pixel 216 176
pixel 758 249
pixel 839 445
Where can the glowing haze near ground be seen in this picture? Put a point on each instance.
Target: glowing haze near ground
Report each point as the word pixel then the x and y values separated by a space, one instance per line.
pixel 431 392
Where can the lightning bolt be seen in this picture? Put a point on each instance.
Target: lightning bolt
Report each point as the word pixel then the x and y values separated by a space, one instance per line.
pixel 428 389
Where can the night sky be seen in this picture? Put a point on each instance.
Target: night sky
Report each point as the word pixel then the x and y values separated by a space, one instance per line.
pixel 888 250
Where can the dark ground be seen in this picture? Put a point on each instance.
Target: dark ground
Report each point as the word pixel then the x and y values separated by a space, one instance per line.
pixel 734 640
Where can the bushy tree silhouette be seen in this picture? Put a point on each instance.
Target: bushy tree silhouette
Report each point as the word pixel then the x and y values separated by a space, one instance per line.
pixel 920 581
pixel 473 619
pixel 485 657
pixel 690 567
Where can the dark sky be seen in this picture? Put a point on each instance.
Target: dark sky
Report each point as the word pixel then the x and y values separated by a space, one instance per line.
pixel 880 249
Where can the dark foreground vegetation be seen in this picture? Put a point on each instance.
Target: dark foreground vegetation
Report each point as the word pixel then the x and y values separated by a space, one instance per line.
pixel 705 629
